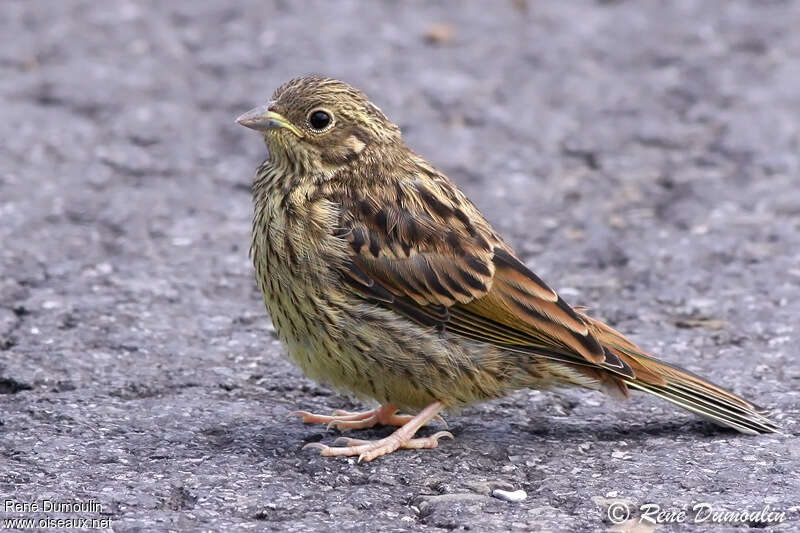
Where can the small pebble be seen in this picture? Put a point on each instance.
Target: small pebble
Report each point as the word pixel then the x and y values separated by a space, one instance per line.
pixel 510 496
pixel 439 33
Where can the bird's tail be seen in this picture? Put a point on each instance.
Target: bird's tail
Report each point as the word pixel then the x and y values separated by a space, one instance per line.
pixel 679 386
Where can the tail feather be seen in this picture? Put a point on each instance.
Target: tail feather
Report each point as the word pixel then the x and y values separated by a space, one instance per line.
pixel 741 419
pixel 682 387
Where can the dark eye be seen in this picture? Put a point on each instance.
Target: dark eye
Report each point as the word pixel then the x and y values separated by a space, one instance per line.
pixel 319 120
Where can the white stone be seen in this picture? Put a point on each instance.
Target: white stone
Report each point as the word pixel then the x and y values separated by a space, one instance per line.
pixel 510 496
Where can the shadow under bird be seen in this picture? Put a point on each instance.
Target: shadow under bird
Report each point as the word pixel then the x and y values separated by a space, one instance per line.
pixel 384 280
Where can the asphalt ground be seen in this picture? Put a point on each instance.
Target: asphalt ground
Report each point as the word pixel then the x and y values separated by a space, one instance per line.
pixel 642 157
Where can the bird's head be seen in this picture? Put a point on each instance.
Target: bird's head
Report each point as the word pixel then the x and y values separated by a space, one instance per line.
pixel 320 124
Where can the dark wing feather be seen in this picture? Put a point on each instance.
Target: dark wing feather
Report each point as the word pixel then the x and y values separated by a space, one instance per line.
pixel 422 249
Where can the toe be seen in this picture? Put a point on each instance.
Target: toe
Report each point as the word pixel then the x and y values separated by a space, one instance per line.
pixel 343 425
pixel 346 441
pixel 306 416
pixel 427 442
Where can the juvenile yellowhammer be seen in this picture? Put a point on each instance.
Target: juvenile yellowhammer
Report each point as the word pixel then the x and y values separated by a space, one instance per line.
pixel 384 280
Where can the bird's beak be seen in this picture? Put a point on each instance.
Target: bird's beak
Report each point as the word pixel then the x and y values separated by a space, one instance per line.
pixel 262 119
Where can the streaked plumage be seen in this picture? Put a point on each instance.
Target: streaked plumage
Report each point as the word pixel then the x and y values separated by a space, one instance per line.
pixel 384 280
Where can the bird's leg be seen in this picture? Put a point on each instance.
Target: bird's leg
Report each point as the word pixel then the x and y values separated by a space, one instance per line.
pixel 402 438
pixel 385 415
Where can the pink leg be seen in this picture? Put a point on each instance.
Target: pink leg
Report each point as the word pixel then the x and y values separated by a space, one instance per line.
pixel 386 415
pixel 402 438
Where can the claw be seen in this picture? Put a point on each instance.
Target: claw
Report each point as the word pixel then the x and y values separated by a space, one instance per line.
pixel 318 445
pixel 438 435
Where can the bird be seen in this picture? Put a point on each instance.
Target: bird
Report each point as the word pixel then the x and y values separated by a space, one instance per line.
pixel 384 281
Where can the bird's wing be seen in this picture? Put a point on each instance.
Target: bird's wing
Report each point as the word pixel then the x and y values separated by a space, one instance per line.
pixel 422 249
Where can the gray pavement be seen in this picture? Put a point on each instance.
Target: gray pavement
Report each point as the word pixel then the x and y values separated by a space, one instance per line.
pixel 643 157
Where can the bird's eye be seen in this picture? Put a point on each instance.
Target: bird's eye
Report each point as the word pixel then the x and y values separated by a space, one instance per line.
pixel 319 120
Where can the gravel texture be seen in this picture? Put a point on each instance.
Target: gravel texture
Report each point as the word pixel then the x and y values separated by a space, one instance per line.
pixel 644 157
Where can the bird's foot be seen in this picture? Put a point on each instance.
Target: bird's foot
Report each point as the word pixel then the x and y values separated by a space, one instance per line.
pixel 367 450
pixel 402 438
pixel 385 415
